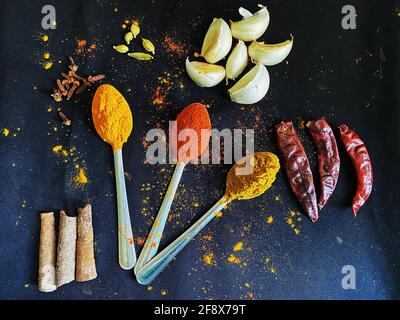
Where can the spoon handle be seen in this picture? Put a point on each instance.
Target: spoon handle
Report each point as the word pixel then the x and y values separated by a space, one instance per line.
pixel 126 247
pixel 153 240
pixel 152 269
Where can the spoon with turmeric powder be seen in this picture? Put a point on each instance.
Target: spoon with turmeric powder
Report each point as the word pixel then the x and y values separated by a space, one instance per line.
pixel 191 135
pixel 112 119
pixel 249 178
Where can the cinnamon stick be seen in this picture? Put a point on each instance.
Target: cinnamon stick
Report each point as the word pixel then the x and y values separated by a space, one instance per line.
pixel 47 253
pixel 65 270
pixel 85 263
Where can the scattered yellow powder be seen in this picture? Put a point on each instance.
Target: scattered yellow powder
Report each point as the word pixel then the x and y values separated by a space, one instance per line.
pixel 238 246
pixel 64 153
pixel 57 148
pixel 272 269
pixel 250 295
pixel 292 213
pixel 247 285
pixel 267 260
pixel 6 132
pixel 208 258
pixel 149 288
pixel 296 231
pixel 195 204
pixel 289 221
pixel 46 55
pixel 45 38
pixel 218 214
pixel 302 124
pixel 80 177
pixel 278 198
pixel 124 26
pixel 270 219
pixel 164 292
pixel 48 65
pixel 233 259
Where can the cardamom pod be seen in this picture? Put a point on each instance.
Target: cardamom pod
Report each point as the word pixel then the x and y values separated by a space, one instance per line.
pixel 140 55
pixel 121 48
pixel 135 29
pixel 128 37
pixel 148 45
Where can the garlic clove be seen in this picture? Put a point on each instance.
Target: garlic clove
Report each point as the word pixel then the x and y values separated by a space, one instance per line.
pixel 252 87
pixel 270 54
pixel 205 74
pixel 217 42
pixel 252 26
pixel 237 61
pixel 244 12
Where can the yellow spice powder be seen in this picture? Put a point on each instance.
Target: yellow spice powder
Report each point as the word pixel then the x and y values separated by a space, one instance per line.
pixel 81 177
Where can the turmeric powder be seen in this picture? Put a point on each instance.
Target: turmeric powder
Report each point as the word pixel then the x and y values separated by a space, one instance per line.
pixel 112 116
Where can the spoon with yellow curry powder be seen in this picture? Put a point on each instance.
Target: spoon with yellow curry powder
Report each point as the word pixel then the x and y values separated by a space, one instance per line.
pixel 190 135
pixel 249 178
pixel 112 119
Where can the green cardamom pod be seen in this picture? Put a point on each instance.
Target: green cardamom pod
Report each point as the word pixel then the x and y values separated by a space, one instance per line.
pixel 140 55
pixel 148 45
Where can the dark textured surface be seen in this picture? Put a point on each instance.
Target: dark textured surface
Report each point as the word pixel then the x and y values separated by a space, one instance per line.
pixel 348 76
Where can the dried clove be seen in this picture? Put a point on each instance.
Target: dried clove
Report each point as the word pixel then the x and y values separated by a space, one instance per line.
pixel 72 90
pixel 93 79
pixel 60 86
pixel 57 95
pixel 73 83
pixel 65 120
pixel 73 66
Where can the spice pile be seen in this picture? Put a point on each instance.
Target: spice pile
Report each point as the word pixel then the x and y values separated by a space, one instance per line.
pixel 129 36
pixel 75 245
pixel 73 83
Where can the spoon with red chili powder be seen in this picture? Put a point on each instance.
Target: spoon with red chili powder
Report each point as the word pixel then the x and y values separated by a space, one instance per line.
pixel 190 137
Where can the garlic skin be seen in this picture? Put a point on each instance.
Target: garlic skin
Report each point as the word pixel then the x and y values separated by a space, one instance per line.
pixel 252 87
pixel 252 26
pixel 237 61
pixel 205 74
pixel 217 42
pixel 270 54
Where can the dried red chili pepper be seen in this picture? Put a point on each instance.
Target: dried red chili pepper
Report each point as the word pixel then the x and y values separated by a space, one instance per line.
pixel 297 168
pixel 357 150
pixel 328 158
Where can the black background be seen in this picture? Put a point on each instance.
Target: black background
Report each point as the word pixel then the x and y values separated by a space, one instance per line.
pixel 348 76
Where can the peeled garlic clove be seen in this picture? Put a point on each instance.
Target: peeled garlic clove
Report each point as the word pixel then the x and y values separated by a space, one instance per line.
pixel 205 74
pixel 252 26
pixel 217 42
pixel 237 61
pixel 252 87
pixel 270 54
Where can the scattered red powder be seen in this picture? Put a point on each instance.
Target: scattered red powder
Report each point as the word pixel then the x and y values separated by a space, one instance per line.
pixel 172 46
pixel 158 97
pixel 81 46
pixel 140 241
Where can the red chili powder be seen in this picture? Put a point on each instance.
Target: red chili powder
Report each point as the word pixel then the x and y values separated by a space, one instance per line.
pixel 174 46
